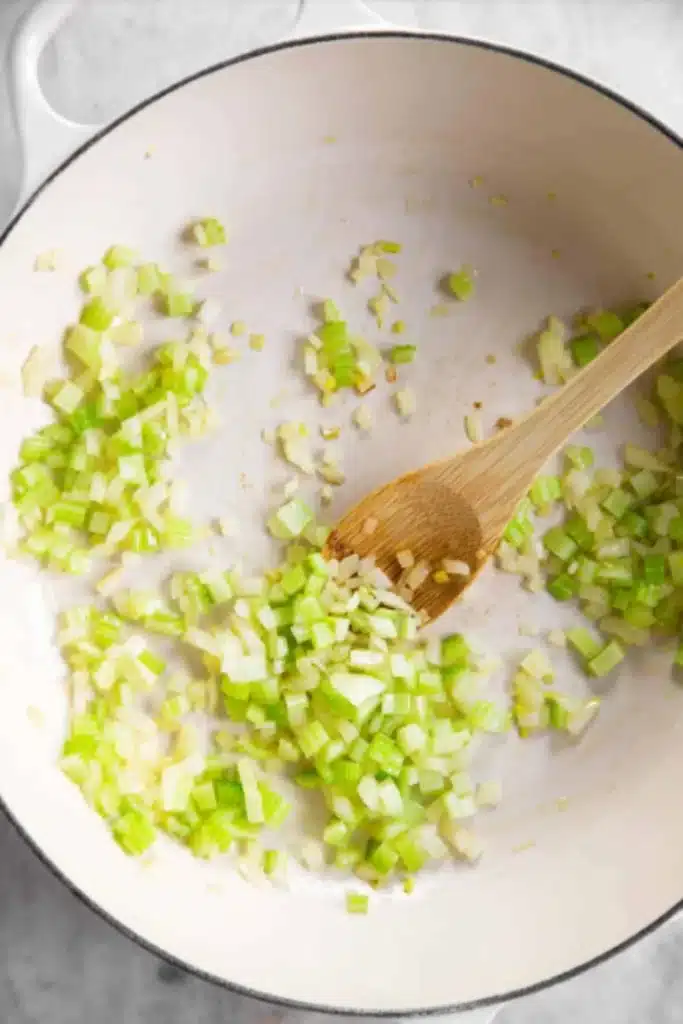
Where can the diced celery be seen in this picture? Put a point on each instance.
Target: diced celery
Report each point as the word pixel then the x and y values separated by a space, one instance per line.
pixel 585 348
pixel 209 232
pixel 617 503
pixel 454 650
pixel 290 520
pixel 605 323
pixel 119 256
pixel 357 903
pixel 563 587
pixel 96 315
pixel 149 280
pixel 461 283
pixel 584 643
pixel 608 658
pixel 253 800
pixel 559 543
pixel 654 569
pixel 316 665
pixel 544 491
pixel 93 280
pixel 179 304
pixel 675 559
pixel 134 832
pixel 577 529
pixel 68 397
pixel 644 483
pixel 402 354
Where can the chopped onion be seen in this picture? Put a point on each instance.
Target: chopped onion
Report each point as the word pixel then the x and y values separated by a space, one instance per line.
pixel 406 403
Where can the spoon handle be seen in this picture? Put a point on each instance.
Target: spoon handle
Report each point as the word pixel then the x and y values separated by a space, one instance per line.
pixel 650 337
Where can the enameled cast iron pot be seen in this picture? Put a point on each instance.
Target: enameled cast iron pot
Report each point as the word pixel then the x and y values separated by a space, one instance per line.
pixel 414 118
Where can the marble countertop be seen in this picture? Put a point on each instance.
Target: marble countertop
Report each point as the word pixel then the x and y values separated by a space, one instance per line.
pixel 59 963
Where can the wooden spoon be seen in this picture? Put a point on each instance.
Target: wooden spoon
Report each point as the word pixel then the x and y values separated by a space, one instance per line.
pixel 458 508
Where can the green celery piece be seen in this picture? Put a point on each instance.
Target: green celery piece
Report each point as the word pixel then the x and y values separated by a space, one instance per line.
pixel 290 520
pixel 579 456
pixel 386 754
pixel 678 658
pixel 675 559
pixel 294 579
pixel 209 232
pixel 461 283
pixel 644 483
pixel 454 650
pixel 635 525
pixel 618 503
pixel 575 526
pixel 134 832
pixel 401 354
pixel 615 571
pixel 178 304
pixel 149 280
pixel 119 256
pixel 654 569
pixel 559 543
pixel 584 643
pixel 670 394
pixel 607 324
pixel 563 587
pixel 585 347
pixel 357 903
pixel 96 315
pixel 608 659
pixel 545 490
pixel 333 333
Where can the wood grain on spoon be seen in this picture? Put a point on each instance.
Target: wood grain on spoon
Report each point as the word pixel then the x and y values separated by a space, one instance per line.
pixel 458 508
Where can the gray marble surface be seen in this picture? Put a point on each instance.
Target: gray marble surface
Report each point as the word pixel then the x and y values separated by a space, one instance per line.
pixel 59 963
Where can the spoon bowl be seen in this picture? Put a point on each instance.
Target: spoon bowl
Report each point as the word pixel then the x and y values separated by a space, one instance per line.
pixel 422 519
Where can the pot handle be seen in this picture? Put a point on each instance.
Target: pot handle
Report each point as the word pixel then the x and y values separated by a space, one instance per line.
pixel 45 137
pixel 325 17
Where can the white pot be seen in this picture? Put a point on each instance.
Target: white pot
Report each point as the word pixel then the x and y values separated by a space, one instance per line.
pixel 414 118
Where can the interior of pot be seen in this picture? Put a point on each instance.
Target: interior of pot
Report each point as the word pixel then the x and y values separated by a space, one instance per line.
pixel 307 153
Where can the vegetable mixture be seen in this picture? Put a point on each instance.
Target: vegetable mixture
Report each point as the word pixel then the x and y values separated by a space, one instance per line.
pixel 316 675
